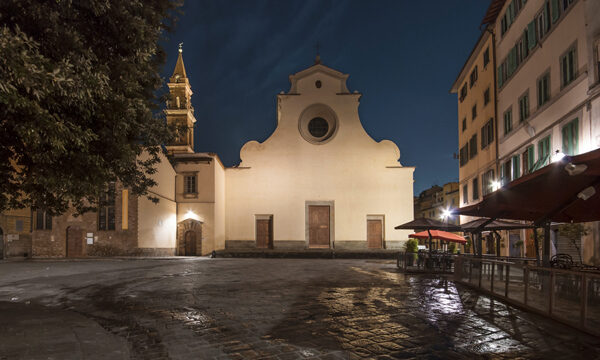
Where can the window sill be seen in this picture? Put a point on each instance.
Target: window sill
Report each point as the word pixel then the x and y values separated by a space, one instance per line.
pixel 190 195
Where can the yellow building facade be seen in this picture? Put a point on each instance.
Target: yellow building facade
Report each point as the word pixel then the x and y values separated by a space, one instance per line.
pixel 477 127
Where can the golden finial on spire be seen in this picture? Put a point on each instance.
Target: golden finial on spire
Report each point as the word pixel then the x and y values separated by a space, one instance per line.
pixel 181 47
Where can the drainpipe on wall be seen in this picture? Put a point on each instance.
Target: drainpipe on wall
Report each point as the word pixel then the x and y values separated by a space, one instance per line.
pixel 495 98
pixel 496 137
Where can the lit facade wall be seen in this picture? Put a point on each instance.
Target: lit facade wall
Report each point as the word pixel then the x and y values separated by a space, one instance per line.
pixel 477 167
pixel 357 176
pixel 557 41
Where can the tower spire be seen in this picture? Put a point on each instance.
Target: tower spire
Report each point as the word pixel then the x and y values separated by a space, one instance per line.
pixel 180 112
pixel 179 74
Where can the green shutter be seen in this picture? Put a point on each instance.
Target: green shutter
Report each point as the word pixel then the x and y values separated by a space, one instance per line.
pixel 530 157
pixel 555 10
pixel 566 139
pixel 516 170
pixel 510 14
pixel 575 133
pixel 531 35
pixel 499 79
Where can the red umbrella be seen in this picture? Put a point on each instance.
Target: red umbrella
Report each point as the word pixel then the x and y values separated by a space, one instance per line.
pixel 439 234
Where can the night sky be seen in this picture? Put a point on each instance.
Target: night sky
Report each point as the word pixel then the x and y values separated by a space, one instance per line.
pixel 403 56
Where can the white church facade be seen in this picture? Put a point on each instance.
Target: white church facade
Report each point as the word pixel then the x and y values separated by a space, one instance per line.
pixel 319 181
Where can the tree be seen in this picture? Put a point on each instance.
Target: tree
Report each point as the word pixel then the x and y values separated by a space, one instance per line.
pixel 78 99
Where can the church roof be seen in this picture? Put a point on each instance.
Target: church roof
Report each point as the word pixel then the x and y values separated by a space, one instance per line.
pixel 318 67
pixel 179 68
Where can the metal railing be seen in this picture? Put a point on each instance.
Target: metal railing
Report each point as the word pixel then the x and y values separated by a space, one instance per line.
pixel 436 262
pixel 571 297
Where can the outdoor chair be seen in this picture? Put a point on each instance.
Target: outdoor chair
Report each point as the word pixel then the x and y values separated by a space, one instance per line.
pixel 561 261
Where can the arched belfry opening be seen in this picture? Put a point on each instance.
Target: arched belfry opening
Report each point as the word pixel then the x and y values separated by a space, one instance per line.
pixel 189 238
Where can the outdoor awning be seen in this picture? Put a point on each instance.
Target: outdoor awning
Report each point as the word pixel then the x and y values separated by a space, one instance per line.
pixel 495 225
pixel 564 191
pixel 428 224
pixel 440 235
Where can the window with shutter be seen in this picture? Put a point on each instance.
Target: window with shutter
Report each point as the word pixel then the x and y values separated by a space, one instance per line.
pixel 473 146
pixel 543 89
pixel 476 188
pixel 570 138
pixel 507 121
pixel 544 151
pixel 524 107
pixel 510 14
pixel 505 173
pixel 531 35
pixel 528 160
pixel 499 79
pixel 490 128
pixel 555 10
pixel 516 170
pixel 568 67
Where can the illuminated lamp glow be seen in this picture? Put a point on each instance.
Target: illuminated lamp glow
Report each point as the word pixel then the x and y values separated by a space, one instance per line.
pixel 558 156
pixel 495 184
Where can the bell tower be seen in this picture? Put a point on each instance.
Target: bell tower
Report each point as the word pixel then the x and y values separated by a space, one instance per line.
pixel 180 112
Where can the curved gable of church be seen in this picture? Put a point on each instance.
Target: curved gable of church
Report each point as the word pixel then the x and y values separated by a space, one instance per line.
pixel 318 119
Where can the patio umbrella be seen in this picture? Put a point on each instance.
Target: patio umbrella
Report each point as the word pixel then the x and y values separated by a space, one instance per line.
pixel 564 191
pixel 440 235
pixel 428 224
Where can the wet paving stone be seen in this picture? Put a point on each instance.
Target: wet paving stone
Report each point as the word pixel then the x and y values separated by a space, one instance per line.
pixel 275 309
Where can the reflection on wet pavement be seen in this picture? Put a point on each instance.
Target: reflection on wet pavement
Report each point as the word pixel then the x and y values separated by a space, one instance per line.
pixel 286 309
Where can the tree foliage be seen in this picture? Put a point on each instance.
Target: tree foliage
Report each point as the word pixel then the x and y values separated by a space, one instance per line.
pixel 78 99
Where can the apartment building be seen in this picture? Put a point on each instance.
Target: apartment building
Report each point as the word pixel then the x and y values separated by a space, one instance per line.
pixel 547 80
pixel 477 122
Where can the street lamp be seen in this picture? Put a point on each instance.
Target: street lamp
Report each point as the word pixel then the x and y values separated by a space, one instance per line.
pixel 558 156
pixel 495 184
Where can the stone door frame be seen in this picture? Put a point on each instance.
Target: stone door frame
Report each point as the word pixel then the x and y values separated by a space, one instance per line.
pixel 185 226
pixel 331 205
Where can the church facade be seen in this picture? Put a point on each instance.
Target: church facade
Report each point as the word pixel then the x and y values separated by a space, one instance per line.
pixel 318 182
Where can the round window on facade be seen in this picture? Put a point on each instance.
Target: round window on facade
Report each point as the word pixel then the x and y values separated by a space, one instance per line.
pixel 318 127
pixel 318 124
pixel 318 84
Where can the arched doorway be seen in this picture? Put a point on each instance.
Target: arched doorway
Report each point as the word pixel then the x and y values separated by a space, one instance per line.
pixel 190 243
pixel 74 242
pixel 189 238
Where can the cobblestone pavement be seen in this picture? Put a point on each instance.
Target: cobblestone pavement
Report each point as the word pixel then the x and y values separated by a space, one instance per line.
pixel 261 308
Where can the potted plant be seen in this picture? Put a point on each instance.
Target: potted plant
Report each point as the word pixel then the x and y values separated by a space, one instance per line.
pixel 410 249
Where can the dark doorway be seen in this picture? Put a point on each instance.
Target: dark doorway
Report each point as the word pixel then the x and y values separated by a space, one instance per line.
pixel 74 242
pixel 264 233
pixel 375 234
pixel 190 243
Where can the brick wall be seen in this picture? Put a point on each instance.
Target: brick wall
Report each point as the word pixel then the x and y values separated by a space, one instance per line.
pixel 53 243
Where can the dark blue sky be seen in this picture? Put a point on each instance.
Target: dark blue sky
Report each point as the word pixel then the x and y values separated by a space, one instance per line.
pixel 401 55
